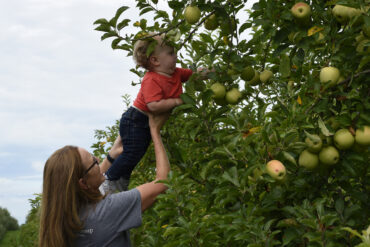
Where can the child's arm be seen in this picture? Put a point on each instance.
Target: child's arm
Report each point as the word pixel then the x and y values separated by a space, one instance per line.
pixel 164 105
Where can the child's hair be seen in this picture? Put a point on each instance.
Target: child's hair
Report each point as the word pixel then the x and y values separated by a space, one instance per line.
pixel 140 48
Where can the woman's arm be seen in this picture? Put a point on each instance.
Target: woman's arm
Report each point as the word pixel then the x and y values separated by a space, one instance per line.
pixel 114 152
pixel 150 191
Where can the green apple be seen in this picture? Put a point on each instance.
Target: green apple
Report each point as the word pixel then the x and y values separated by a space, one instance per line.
pixel 363 47
pixel 192 14
pixel 329 155
pixel 256 79
pixel 314 144
pixel 301 10
pixel 276 169
pixel 218 90
pixel 341 13
pixel 211 22
pixel 343 139
pixel 233 96
pixel 308 160
pixel 329 75
pixel 265 76
pixel 248 73
pixel 363 136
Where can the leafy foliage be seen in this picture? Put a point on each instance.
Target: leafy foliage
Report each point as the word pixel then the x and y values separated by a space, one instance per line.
pixel 7 222
pixel 219 193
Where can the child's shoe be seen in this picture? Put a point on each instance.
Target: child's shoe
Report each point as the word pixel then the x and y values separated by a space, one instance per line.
pixel 122 184
pixel 108 187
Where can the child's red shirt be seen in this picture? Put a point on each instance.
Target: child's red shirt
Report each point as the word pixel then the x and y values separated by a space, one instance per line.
pixel 155 87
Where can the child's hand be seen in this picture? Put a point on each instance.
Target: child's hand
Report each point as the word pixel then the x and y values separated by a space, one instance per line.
pixel 203 72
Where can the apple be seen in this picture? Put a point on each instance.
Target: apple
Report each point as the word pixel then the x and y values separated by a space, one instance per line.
pixel 329 75
pixel 363 47
pixel 329 155
pixel 233 96
pixel 301 10
pixel 308 160
pixel 192 14
pixel 343 139
pixel 256 79
pixel 218 90
pixel 248 73
pixel 314 144
pixel 276 169
pixel 211 22
pixel 341 13
pixel 265 76
pixel 362 136
pixel 344 14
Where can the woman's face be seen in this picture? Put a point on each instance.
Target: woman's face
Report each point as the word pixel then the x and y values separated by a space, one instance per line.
pixel 93 178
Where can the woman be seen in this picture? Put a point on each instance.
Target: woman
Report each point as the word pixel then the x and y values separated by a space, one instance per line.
pixel 73 210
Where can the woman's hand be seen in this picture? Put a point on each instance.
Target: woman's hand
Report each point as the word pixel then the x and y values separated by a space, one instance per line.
pixel 156 121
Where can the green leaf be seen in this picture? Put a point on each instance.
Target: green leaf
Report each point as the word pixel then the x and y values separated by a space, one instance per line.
pixel 232 176
pixel 108 35
pixel 289 158
pixel 187 99
pixel 120 11
pixel 101 21
pixel 122 24
pixel 323 128
pixel 284 67
pixel 103 28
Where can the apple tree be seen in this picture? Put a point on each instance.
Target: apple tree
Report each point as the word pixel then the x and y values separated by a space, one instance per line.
pixel 289 87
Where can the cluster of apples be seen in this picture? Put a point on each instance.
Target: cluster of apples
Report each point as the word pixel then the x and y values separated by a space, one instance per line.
pixel 316 153
pixel 253 77
pixel 344 15
pixel 192 15
pixel 223 97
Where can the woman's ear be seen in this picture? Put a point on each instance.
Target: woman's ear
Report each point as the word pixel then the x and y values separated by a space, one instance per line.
pixel 83 184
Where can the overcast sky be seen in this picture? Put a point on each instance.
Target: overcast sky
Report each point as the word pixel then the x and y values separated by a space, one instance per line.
pixel 58 83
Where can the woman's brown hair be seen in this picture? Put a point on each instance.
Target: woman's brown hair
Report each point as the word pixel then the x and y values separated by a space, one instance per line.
pixel 62 198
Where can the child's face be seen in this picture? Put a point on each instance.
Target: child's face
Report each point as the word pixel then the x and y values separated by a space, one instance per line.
pixel 167 58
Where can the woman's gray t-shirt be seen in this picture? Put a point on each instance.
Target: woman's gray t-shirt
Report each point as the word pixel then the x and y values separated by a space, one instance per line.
pixel 108 222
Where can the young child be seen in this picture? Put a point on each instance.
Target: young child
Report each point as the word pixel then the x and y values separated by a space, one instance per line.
pixel 159 93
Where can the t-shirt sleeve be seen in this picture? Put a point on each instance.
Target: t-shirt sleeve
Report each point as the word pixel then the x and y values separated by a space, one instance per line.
pixel 185 74
pixel 151 91
pixel 124 209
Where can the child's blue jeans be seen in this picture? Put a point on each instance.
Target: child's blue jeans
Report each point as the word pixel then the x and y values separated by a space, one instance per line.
pixel 135 133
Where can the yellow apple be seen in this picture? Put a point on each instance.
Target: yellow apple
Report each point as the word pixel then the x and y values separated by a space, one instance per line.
pixel 192 14
pixel 301 10
pixel 233 96
pixel 218 90
pixel 265 76
pixel 308 160
pixel 329 75
pixel 343 139
pixel 363 136
pixel 329 155
pixel 276 169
